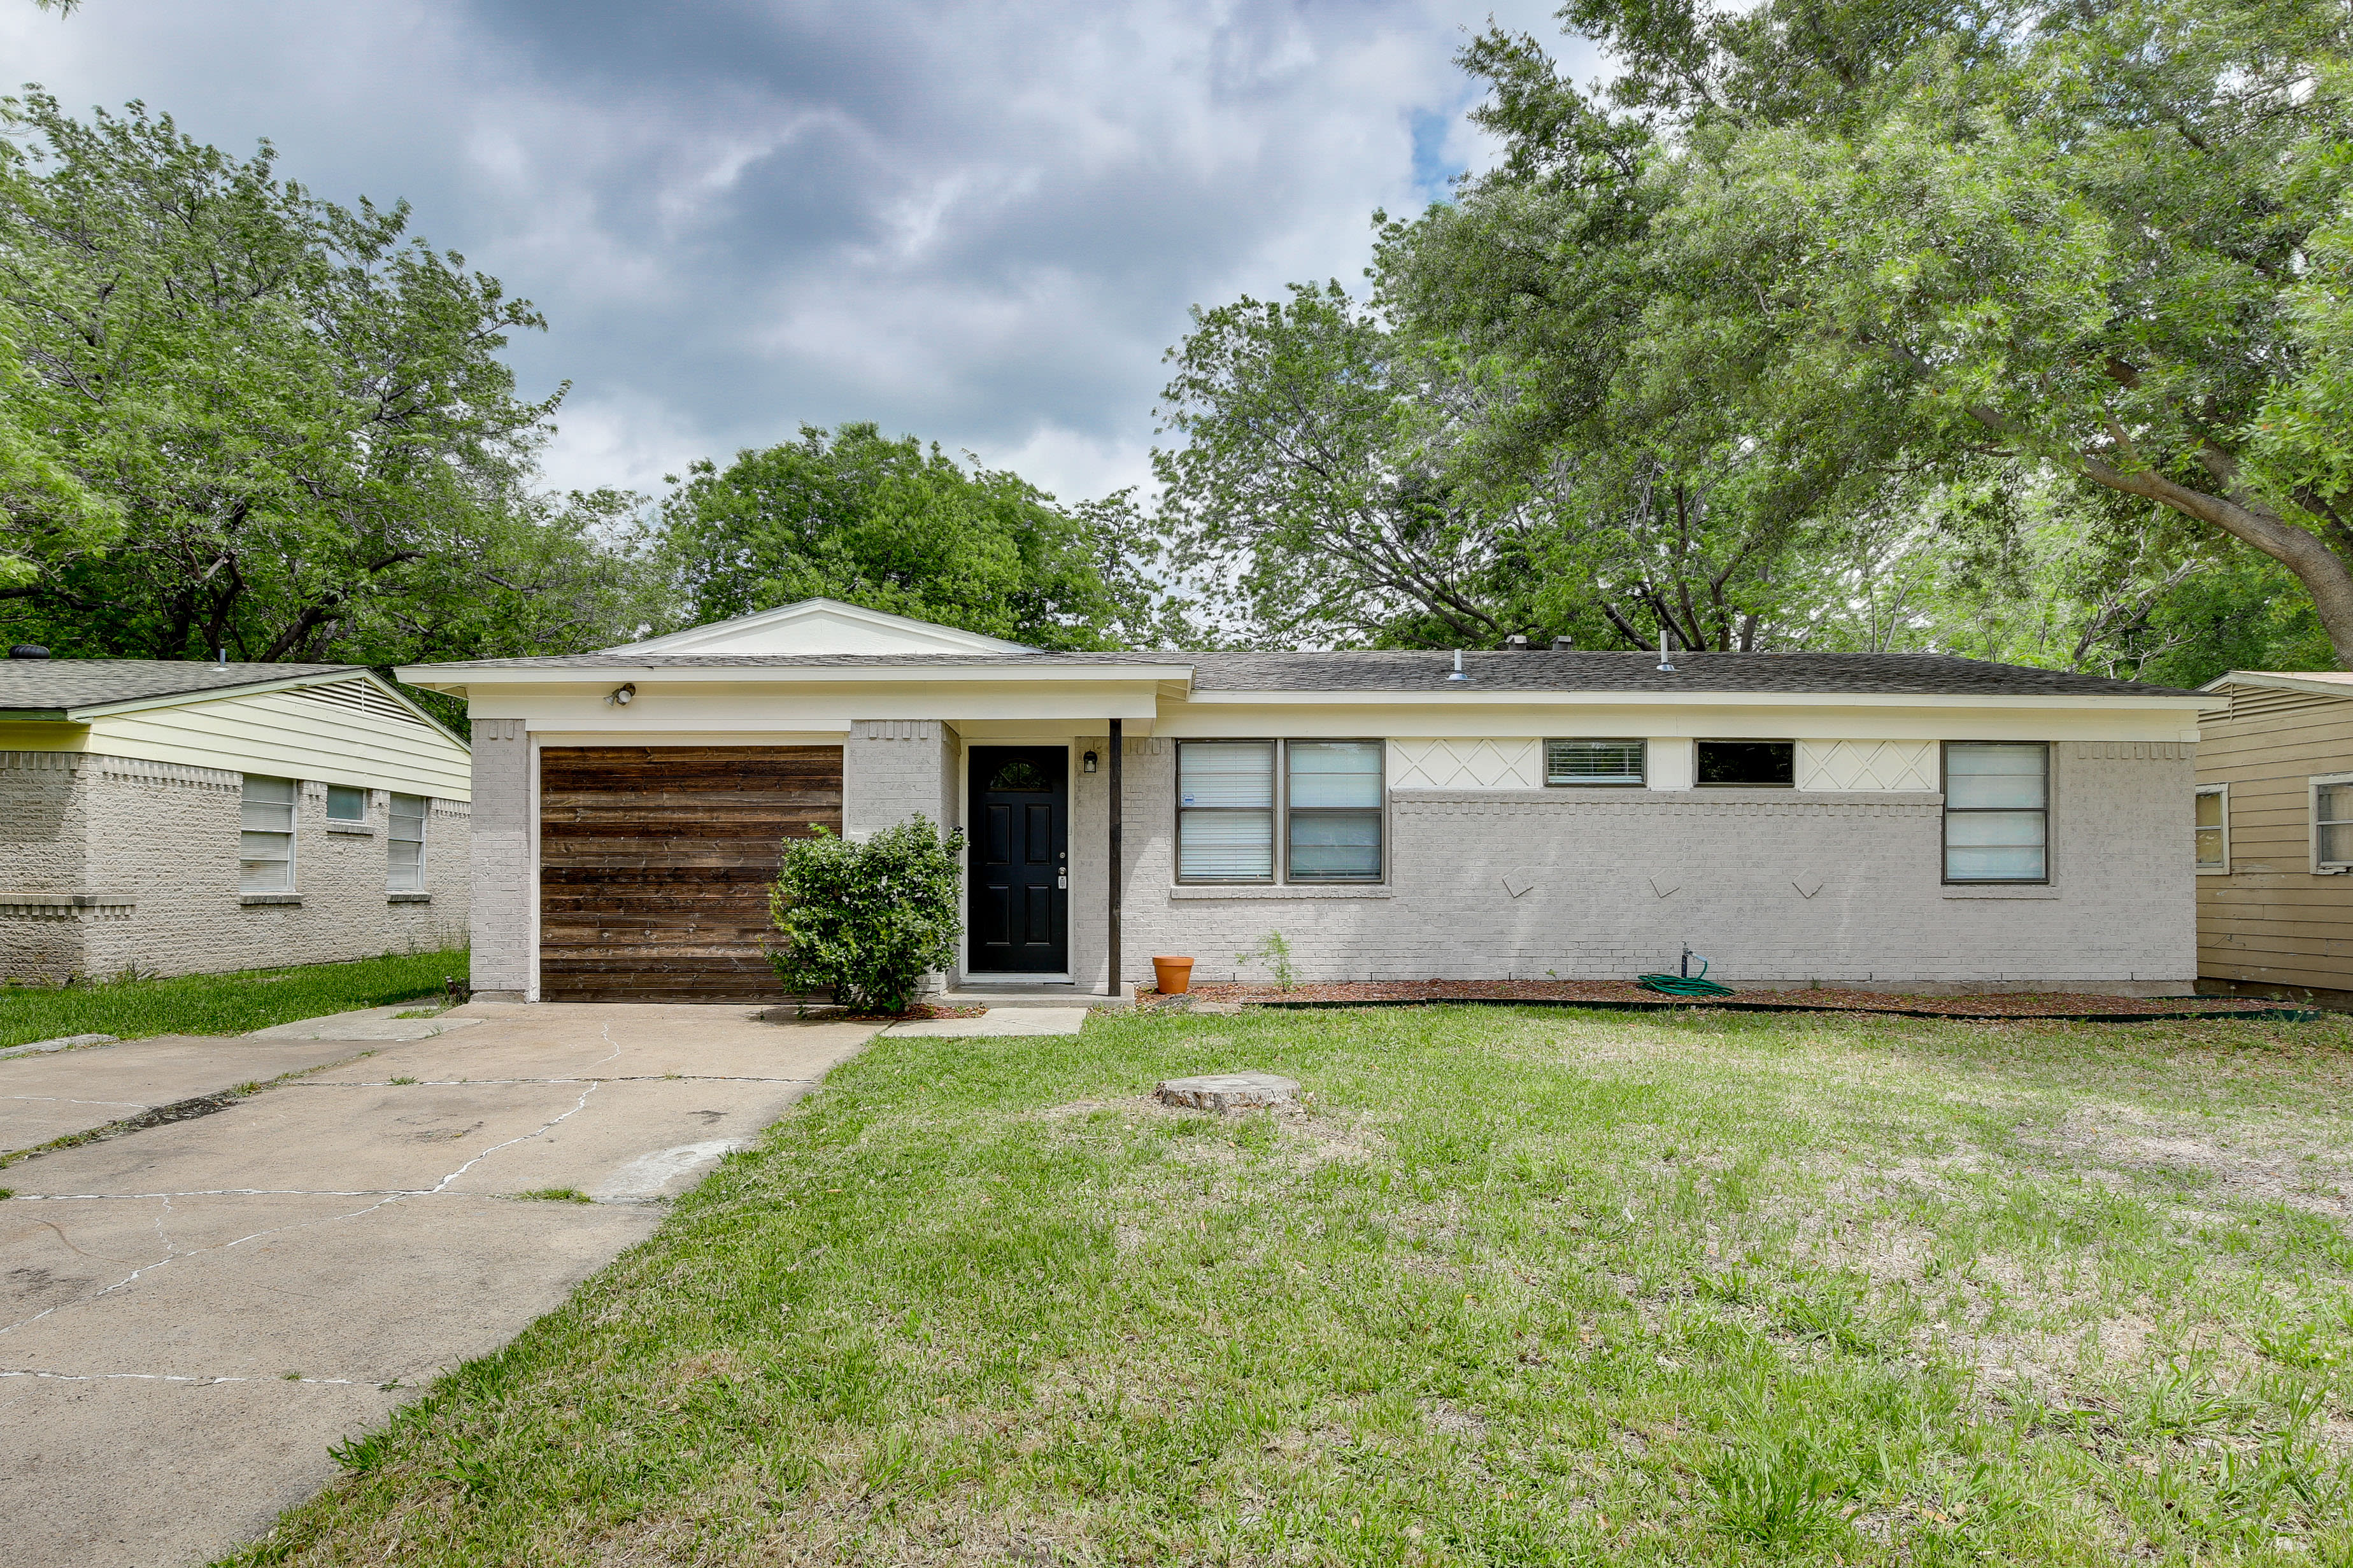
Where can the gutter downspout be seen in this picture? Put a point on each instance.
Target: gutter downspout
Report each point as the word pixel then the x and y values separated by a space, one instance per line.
pixel 1118 869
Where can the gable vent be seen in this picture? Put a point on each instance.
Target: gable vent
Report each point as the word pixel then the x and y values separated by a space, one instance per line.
pixel 364 696
pixel 2268 702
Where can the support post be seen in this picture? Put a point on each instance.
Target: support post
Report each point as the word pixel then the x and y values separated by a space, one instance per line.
pixel 1118 862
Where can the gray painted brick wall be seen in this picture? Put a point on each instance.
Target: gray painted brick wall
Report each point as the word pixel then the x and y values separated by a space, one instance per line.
pixel 895 769
pixel 1776 887
pixel 502 896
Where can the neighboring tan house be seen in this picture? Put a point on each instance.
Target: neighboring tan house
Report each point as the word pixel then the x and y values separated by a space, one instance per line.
pixel 1888 819
pixel 175 819
pixel 2274 833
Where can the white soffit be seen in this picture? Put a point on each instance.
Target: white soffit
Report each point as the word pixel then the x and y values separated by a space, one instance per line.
pixel 822 625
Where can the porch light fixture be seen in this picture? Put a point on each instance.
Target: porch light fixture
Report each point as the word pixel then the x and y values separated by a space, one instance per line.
pixel 620 695
pixel 1087 764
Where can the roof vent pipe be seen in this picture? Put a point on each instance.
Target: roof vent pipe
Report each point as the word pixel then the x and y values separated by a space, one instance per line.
pixel 1457 674
pixel 220 656
pixel 1516 643
pixel 28 650
pixel 1563 645
pixel 1666 663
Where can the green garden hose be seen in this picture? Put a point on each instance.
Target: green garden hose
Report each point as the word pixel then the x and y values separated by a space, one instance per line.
pixel 1684 984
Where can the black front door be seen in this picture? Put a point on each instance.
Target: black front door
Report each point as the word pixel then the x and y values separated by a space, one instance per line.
pixel 1020 860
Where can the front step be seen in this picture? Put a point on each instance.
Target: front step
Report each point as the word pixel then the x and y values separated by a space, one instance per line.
pixel 1020 996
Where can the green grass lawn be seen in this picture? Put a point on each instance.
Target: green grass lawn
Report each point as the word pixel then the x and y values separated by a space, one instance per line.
pixel 1520 1287
pixel 219 1003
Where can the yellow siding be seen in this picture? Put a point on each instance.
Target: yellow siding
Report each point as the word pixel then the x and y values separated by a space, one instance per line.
pixel 2271 920
pixel 316 733
pixel 25 735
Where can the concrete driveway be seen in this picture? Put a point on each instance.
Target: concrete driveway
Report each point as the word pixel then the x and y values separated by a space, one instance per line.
pixel 192 1314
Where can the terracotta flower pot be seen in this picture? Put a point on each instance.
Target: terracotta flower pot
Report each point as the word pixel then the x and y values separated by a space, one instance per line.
pixel 1174 976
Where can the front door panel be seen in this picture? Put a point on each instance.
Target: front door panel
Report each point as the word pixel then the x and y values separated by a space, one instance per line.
pixel 1020 860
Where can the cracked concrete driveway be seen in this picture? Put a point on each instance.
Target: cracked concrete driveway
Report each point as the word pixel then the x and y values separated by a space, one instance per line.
pixel 191 1314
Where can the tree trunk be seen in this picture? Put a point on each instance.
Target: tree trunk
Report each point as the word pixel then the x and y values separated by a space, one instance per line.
pixel 2320 569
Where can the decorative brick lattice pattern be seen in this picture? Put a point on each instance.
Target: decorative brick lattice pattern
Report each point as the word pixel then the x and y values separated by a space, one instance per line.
pixel 1466 764
pixel 1867 764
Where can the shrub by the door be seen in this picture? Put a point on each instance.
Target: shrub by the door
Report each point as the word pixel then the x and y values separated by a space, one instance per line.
pixel 865 919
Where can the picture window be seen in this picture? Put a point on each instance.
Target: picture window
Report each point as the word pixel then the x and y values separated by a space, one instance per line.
pixel 1326 797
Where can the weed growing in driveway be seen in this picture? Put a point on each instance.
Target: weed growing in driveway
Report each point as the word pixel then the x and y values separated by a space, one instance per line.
pixel 1515 1287
pixel 557 1195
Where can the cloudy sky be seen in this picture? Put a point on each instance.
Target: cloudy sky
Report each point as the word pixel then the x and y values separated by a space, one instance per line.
pixel 979 223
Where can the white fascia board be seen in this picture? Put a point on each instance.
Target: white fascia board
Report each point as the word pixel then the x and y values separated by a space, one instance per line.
pixel 2278 683
pixel 1684 699
pixel 216 693
pixel 456 680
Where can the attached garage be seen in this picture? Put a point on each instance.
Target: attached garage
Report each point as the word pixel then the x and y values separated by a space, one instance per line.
pixel 655 863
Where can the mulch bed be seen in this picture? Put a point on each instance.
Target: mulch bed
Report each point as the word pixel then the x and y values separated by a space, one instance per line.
pixel 2078 1006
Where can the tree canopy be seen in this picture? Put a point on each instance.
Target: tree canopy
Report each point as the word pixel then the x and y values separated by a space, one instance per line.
pixel 239 416
pixel 2033 316
pixel 892 525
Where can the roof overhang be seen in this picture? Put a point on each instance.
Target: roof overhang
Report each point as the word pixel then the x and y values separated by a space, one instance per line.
pixel 456 680
pixel 1539 698
pixel 89 712
pixel 2319 685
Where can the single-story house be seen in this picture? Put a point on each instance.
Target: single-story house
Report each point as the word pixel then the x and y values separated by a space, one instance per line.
pixel 1903 819
pixel 173 817
pixel 2276 835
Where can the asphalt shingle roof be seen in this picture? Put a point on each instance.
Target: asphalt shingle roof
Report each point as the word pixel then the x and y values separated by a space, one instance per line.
pixel 54 686
pixel 1886 674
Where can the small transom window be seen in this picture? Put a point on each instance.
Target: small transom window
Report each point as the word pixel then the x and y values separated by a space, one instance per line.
pixel 1751 764
pixel 346 803
pixel 1594 762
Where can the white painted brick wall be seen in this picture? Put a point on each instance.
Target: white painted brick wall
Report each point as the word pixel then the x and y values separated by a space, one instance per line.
pixel 1774 886
pixel 167 835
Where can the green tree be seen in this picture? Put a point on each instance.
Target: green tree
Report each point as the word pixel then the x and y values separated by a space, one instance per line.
pixel 2109 239
pixel 850 515
pixel 266 423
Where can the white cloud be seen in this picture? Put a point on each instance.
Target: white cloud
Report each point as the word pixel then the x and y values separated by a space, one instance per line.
pixel 979 223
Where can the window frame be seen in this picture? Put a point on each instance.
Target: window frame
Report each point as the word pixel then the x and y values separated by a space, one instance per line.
pixel 391 816
pixel 1946 812
pixel 1700 783
pixel 361 820
pixel 294 806
pixel 2224 870
pixel 2321 868
pixel 1641 760
pixel 1279 874
pixel 1274 804
pixel 1380 810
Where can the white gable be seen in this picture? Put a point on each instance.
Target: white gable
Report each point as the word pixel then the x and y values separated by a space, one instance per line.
pixel 823 625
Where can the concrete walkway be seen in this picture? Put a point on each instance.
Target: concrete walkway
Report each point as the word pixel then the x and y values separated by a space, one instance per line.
pixel 191 1314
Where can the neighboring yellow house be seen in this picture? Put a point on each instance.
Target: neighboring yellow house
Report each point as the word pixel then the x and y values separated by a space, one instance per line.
pixel 173 818
pixel 2274 835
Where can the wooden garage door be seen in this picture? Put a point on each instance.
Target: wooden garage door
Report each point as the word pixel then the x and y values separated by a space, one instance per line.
pixel 655 863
